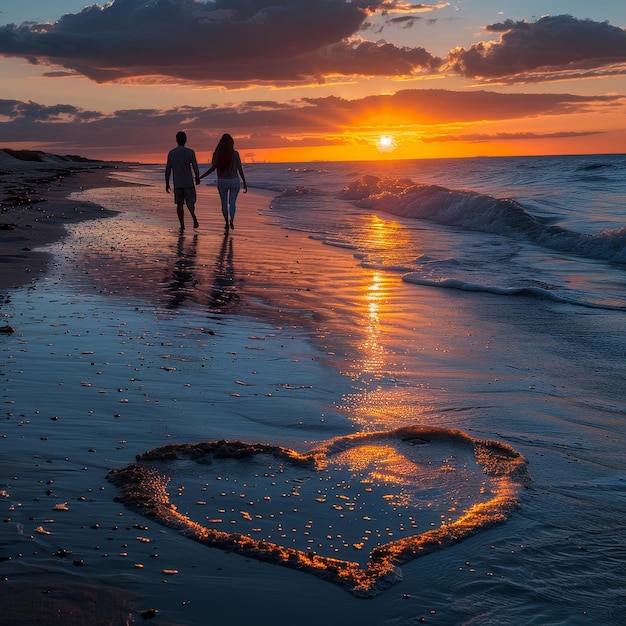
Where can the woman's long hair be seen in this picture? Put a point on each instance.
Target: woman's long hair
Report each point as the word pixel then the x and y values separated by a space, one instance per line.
pixel 223 155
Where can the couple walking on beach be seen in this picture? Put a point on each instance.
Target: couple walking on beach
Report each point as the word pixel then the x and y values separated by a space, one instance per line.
pixel 182 165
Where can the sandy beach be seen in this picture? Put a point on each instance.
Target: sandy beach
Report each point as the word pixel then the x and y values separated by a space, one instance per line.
pixel 34 207
pixel 34 211
pixel 54 546
pixel 133 344
pixel 57 566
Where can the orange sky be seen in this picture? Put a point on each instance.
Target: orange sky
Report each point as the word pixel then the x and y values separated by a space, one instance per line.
pixel 309 81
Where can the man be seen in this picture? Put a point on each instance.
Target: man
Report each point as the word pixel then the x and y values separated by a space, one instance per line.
pixel 182 164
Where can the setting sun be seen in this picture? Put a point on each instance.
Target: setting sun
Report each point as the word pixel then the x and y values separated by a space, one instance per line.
pixel 386 143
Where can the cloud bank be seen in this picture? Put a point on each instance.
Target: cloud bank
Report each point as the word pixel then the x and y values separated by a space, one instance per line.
pixel 225 42
pixel 266 124
pixel 553 47
pixel 234 43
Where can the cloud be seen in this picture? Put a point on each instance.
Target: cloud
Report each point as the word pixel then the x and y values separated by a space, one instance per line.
pixel 223 42
pixel 553 47
pixel 400 6
pixel 263 124
pixel 32 112
pixel 236 43
pixel 490 137
pixel 404 21
pixel 423 107
pixel 400 14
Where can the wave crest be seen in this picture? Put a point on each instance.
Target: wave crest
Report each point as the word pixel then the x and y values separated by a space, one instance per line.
pixel 471 210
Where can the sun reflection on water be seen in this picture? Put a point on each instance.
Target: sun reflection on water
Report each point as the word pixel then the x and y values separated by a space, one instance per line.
pixel 372 349
pixel 382 396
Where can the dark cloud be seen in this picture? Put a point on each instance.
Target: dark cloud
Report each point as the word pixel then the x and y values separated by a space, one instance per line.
pixel 487 138
pixel 236 43
pixel 552 47
pixel 30 112
pixel 436 106
pixel 404 21
pixel 224 42
pixel 400 14
pixel 264 124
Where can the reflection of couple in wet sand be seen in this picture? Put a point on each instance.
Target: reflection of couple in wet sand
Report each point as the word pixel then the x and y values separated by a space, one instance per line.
pixel 182 165
pixel 183 282
pixel 223 292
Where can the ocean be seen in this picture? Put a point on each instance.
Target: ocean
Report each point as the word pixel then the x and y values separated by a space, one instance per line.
pixel 471 299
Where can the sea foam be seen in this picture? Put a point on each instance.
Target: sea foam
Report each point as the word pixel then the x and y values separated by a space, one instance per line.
pixel 474 211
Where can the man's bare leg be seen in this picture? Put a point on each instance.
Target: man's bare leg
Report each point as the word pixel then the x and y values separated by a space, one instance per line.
pixel 180 210
pixel 192 210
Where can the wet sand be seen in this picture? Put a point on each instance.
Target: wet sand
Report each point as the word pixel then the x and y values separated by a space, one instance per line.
pixel 136 338
pixel 496 471
pixel 34 209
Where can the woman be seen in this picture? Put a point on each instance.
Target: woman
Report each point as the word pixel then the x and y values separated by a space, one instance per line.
pixel 227 162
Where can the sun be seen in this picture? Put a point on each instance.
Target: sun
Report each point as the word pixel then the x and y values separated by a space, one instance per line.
pixel 386 143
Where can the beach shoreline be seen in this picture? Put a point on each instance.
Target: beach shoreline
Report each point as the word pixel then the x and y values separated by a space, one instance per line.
pixel 35 208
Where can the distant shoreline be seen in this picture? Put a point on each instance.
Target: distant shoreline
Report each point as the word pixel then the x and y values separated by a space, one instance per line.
pixel 35 206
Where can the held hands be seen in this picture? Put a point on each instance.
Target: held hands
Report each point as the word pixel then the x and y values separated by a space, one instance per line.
pixel 209 171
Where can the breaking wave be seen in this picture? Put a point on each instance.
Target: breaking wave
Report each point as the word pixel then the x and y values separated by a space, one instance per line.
pixel 474 211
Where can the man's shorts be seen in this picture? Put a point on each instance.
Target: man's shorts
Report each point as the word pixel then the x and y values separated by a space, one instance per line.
pixel 184 194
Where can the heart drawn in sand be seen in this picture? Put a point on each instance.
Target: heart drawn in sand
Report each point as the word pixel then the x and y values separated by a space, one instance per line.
pixel 350 511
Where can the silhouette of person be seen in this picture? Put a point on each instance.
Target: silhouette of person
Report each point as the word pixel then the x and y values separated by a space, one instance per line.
pixel 227 162
pixel 183 166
